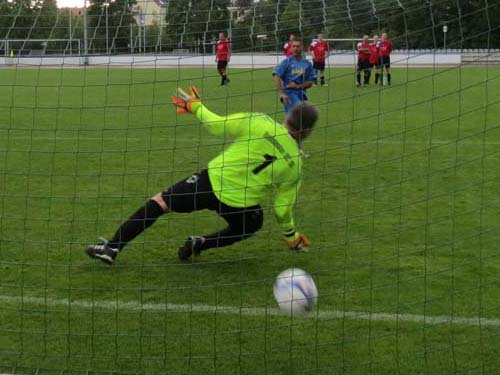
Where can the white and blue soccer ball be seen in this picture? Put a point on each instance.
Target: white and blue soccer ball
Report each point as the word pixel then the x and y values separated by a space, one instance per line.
pixel 295 291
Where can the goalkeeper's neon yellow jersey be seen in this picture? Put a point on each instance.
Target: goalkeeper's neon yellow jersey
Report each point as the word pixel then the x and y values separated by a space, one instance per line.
pixel 261 157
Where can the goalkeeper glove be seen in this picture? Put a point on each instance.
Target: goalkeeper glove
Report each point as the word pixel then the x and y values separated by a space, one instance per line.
pixel 184 101
pixel 300 243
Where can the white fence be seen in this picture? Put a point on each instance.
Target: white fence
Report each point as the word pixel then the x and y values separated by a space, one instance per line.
pixel 398 58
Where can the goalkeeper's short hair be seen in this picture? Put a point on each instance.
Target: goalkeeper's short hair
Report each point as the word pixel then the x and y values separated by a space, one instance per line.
pixel 302 118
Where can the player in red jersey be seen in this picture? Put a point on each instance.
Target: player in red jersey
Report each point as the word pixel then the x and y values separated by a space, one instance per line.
pixel 319 50
pixel 222 57
pixel 375 58
pixel 385 57
pixel 363 48
pixel 287 48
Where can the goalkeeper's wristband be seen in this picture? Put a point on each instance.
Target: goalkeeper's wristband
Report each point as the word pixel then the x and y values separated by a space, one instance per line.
pixel 194 105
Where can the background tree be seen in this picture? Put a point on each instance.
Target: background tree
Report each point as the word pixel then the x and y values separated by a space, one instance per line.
pixel 190 21
pixel 410 23
pixel 120 16
pixel 6 17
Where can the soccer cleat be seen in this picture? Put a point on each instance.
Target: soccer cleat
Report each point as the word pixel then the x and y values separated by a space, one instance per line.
pixel 300 249
pixel 102 251
pixel 324 84
pixel 227 82
pixel 358 84
pixel 191 247
pixel 300 244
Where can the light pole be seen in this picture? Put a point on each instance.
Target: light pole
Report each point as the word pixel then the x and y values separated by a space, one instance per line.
pixel 143 26
pixel 70 41
pixel 85 34
pixel 445 30
pixel 106 5
pixel 142 37
pixel 230 31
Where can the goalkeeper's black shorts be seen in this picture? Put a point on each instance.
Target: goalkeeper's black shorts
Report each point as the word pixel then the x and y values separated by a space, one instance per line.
pixel 195 193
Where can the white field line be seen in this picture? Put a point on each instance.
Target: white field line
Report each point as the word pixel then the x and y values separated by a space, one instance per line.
pixel 250 311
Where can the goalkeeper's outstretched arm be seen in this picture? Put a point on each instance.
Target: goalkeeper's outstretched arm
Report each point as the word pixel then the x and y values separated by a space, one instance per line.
pixel 284 207
pixel 232 125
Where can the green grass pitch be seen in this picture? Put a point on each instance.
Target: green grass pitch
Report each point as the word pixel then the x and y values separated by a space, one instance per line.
pixel 400 199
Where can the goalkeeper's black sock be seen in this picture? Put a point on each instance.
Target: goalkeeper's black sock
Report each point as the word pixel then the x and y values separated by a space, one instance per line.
pixel 222 238
pixel 142 219
pixel 377 76
pixel 322 78
pixel 389 78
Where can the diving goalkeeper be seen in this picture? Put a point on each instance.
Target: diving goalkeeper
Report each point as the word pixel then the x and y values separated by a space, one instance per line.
pixel 263 156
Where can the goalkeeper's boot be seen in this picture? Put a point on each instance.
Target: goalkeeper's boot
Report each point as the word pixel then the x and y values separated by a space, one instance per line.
pixel 300 249
pixel 102 251
pixel 192 246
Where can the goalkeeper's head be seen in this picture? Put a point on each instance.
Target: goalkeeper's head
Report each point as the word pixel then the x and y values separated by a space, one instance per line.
pixel 301 120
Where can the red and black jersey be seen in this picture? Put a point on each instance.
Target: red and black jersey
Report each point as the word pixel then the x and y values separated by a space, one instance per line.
pixel 223 49
pixel 365 54
pixel 374 53
pixel 385 48
pixel 287 49
pixel 320 50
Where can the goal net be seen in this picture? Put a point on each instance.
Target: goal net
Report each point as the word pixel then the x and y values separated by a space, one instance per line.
pixel 399 195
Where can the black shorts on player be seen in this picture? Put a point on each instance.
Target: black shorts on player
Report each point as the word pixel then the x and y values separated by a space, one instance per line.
pixel 385 61
pixel 364 65
pixel 221 64
pixel 318 65
pixel 194 194
pixel 221 67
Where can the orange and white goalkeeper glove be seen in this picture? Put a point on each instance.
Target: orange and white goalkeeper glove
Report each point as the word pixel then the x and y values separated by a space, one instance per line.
pixel 299 243
pixel 184 101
